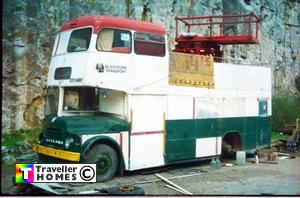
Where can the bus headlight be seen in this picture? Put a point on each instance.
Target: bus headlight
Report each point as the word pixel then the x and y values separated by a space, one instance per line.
pixel 41 138
pixel 68 142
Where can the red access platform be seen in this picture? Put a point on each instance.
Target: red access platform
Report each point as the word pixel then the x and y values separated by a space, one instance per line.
pixel 205 34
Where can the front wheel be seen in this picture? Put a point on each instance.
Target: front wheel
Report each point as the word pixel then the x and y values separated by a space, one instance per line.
pixel 106 161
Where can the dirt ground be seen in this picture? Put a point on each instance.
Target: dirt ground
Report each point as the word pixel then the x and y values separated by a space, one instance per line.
pixel 249 179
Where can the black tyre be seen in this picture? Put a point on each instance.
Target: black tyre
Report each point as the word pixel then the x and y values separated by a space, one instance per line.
pixel 125 190
pixel 106 160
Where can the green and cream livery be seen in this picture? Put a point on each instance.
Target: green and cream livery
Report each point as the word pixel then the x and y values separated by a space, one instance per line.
pixel 110 102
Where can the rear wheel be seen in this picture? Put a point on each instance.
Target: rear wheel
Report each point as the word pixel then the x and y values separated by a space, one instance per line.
pixel 106 160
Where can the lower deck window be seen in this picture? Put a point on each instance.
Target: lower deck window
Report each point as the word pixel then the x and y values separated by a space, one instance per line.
pixel 80 99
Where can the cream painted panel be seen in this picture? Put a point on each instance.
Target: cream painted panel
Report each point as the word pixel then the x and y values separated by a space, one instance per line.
pixel 146 151
pixel 180 107
pixel 234 107
pixel 207 107
pixel 230 76
pixel 147 112
pixel 208 146
pixel 251 105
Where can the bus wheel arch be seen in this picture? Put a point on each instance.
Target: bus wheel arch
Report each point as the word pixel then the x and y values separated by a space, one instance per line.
pixel 231 142
pixel 112 149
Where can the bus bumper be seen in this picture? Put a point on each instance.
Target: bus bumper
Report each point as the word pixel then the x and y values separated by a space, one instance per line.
pixel 61 154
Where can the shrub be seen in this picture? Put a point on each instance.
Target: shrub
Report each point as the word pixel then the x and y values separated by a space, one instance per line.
pixel 285 109
pixel 30 135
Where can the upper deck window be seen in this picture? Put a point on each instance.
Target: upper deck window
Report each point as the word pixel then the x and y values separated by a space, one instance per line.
pixel 114 40
pixel 149 44
pixel 80 40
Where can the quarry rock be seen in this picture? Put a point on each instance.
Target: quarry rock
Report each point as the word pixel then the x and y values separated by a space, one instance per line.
pixel 30 26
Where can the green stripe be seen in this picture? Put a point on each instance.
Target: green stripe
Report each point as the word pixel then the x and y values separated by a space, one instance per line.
pixel 182 134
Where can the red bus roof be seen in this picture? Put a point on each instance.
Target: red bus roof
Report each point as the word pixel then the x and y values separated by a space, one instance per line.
pixel 99 22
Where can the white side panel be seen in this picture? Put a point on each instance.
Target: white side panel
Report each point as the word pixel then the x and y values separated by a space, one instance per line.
pixel 208 146
pixel 241 77
pixel 234 107
pixel 207 107
pixel 251 106
pixel 146 151
pixel 180 107
pixel 147 112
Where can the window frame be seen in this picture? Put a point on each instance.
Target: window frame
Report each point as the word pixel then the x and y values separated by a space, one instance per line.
pixel 48 111
pixel 56 44
pixel 261 111
pixel 109 28
pixel 89 45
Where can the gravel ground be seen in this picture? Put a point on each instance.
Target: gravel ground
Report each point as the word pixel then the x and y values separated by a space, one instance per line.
pixel 249 179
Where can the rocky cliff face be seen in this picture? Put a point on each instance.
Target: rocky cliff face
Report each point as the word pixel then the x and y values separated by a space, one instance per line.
pixel 29 28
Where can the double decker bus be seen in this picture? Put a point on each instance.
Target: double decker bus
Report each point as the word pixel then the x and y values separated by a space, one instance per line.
pixel 117 98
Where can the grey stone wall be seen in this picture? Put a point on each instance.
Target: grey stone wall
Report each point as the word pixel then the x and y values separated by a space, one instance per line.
pixel 29 28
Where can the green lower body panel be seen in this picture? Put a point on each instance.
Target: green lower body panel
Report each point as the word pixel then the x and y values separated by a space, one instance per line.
pixel 181 135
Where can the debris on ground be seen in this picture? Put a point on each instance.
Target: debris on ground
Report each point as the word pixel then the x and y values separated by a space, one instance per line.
pixel 89 192
pixel 20 153
pixel 9 159
pixel 272 156
pixel 268 162
pixel 280 155
pixel 46 187
pixel 124 190
pixel 29 157
pixel 293 143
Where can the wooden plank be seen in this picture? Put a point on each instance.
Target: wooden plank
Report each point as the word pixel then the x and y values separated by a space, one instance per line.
pixel 268 162
pixel 284 154
pixel 173 188
pixel 175 177
pixel 173 184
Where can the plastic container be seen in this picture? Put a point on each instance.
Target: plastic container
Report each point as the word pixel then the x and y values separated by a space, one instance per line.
pixel 256 160
pixel 240 157
pixel 215 163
